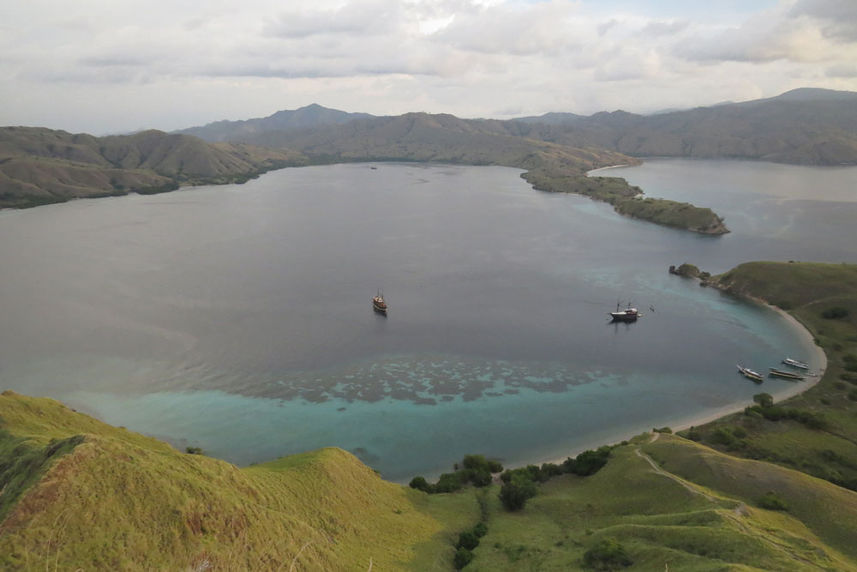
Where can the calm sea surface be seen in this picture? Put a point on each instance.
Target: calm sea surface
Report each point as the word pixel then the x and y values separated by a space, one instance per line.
pixel 238 318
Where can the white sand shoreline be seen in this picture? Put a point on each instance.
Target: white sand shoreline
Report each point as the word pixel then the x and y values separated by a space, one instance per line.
pixel 817 362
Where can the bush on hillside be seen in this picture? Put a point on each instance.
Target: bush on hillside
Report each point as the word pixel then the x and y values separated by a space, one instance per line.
pixel 515 494
pixel 835 313
pixel 607 554
pixel 764 399
pixel 474 469
pixel 420 484
pixel 462 558
pixel 772 501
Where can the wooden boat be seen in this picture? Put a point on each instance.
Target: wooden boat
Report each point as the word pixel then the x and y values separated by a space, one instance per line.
pixel 629 314
pixel 379 304
pixel 785 374
pixel 750 374
pixel 795 363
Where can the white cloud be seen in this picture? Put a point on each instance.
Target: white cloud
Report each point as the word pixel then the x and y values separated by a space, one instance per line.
pixel 102 66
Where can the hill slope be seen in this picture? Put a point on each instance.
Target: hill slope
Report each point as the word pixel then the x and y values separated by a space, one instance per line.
pixel 673 504
pixel 81 494
pixel 805 126
pixel 816 431
pixel 39 166
pixel 309 117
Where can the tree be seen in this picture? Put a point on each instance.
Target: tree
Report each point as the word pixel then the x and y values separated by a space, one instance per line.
pixel 607 554
pixel 468 540
pixel 420 484
pixel 462 558
pixel 764 399
pixel 515 494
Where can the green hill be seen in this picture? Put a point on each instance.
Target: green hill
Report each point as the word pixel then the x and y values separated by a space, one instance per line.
pixel 79 494
pixel 40 166
pixel 676 505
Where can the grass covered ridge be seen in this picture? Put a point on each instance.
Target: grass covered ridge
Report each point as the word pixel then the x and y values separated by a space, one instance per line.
pixel 115 499
pixel 671 502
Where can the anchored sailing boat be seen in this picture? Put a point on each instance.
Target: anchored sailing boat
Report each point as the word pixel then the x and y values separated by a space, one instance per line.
pixel 629 314
pixel 378 303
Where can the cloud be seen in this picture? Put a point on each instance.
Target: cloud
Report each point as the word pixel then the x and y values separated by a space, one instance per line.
pixel 188 62
pixel 837 18
pixel 808 31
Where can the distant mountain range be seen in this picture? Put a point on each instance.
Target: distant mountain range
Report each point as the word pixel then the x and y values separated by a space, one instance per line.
pixel 308 117
pixel 803 126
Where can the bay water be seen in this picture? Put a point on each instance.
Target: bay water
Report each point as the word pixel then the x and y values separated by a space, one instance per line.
pixel 238 318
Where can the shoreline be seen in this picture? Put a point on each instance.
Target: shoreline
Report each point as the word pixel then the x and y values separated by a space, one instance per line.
pixel 818 357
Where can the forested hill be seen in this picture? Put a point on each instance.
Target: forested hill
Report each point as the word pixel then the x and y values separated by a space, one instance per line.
pixel 309 117
pixel 436 138
pixel 40 166
pixel 803 126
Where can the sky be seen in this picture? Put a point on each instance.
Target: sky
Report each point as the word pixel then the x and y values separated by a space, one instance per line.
pixel 115 66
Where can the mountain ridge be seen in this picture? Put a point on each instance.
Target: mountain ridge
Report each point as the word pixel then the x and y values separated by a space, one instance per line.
pixel 42 166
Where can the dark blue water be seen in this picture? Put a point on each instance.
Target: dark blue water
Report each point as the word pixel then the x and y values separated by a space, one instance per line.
pixel 239 318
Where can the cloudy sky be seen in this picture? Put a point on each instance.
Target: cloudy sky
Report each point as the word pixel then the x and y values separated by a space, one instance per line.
pixel 108 66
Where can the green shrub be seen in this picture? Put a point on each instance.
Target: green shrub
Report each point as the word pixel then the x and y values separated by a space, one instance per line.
pixel 588 462
pixel 448 483
pixel 607 554
pixel 764 399
pixel 420 484
pixel 723 436
pixel 772 501
pixel 515 494
pixel 468 540
pixel 835 313
pixel 462 558
pixel 480 530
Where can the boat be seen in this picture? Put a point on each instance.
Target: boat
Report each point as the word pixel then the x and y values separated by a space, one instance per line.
pixel 795 363
pixel 785 374
pixel 629 314
pixel 379 304
pixel 750 374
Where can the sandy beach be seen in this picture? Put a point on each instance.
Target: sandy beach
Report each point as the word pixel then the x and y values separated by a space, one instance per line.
pixel 817 362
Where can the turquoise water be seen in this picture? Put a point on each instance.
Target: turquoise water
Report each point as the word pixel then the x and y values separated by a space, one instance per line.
pixel 238 318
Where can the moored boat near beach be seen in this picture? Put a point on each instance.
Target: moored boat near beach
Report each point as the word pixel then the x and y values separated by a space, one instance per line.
pixel 796 363
pixel 785 374
pixel 750 374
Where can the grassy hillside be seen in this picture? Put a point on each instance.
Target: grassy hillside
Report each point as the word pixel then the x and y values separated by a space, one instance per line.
pixel 80 494
pixel 673 504
pixel 822 438
pixel 40 166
